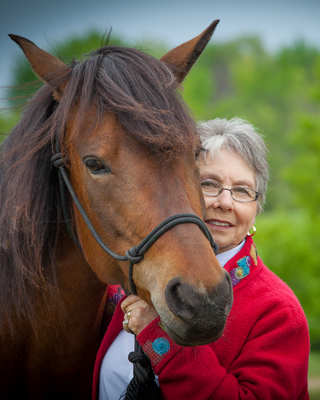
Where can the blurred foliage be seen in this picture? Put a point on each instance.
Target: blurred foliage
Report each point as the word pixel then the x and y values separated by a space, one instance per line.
pixel 314 365
pixel 288 243
pixel 280 94
pixel 269 90
pixel 7 121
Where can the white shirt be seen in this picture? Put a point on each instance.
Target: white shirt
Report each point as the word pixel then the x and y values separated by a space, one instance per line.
pixel 223 258
pixel 116 370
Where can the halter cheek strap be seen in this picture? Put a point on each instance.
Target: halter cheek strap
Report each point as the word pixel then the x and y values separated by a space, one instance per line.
pixel 59 162
pixel 135 254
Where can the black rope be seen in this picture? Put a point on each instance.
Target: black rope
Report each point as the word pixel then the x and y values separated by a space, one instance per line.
pixel 59 161
pixel 135 254
pixel 142 386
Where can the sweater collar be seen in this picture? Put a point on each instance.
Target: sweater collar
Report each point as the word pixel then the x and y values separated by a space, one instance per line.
pixel 241 264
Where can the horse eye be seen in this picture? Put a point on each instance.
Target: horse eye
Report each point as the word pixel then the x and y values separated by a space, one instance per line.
pixel 95 166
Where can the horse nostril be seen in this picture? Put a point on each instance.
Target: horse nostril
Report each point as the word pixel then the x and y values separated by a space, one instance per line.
pixel 188 303
pixel 178 301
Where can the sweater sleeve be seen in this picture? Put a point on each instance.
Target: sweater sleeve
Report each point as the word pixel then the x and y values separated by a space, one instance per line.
pixel 271 363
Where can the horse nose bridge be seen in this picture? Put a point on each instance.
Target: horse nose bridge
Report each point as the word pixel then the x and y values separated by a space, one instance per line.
pixel 196 305
pixel 183 251
pixel 186 252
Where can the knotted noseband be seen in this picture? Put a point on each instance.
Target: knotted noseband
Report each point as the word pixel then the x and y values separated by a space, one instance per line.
pixel 135 254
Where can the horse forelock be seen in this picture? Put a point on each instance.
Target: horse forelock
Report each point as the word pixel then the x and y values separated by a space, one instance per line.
pixel 140 90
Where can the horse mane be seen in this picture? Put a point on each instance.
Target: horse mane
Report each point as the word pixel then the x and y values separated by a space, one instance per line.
pixel 144 95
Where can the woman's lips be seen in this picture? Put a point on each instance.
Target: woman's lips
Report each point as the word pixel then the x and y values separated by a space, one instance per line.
pixel 215 223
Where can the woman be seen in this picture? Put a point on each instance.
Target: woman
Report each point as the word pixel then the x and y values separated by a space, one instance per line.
pixel 263 352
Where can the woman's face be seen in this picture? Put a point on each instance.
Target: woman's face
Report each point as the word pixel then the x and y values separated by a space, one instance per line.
pixel 228 220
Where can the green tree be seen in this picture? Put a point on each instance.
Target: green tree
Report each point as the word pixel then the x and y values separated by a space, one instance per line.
pixel 241 78
pixel 288 243
pixel 7 121
pixel 303 170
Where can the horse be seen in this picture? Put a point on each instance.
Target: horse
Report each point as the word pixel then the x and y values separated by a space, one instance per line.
pixel 118 126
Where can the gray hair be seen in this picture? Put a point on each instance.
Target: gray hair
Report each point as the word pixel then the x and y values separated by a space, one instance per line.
pixel 238 136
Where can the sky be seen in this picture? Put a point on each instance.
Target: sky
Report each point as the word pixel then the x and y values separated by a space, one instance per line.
pixel 46 22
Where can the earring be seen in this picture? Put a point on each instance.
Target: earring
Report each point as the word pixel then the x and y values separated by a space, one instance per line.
pixel 254 230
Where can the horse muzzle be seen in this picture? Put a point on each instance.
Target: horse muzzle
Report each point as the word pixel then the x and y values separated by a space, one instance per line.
pixel 196 317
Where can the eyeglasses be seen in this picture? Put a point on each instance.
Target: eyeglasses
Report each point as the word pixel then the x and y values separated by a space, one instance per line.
pixel 242 194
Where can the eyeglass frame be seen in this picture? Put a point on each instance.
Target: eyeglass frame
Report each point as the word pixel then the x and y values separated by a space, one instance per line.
pixel 230 190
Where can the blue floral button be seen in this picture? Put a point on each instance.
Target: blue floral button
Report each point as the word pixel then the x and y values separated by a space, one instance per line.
pixel 161 346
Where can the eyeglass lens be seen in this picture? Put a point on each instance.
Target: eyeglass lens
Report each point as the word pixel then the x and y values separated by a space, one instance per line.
pixel 237 193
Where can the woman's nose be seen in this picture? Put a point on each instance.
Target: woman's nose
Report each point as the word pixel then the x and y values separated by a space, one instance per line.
pixel 224 201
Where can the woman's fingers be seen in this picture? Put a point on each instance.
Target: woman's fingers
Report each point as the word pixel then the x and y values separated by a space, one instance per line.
pixel 129 301
pixel 137 314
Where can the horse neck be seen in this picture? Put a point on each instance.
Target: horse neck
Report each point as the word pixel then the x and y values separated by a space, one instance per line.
pixel 82 293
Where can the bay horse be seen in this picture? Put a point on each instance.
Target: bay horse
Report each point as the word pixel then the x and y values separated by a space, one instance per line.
pixel 128 147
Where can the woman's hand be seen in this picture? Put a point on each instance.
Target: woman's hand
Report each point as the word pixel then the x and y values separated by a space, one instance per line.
pixel 138 314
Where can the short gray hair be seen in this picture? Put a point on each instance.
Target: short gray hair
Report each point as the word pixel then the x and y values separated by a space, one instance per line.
pixel 238 136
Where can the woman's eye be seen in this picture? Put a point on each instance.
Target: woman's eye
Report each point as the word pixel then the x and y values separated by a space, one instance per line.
pixel 209 184
pixel 206 184
pixel 241 190
pixel 95 166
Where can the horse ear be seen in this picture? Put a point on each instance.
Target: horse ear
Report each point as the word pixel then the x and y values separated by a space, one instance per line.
pixel 184 56
pixel 45 65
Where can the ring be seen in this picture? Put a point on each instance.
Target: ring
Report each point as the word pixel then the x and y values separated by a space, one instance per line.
pixel 125 321
pixel 128 314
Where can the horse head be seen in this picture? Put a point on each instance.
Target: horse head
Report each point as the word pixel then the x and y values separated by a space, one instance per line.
pixel 130 147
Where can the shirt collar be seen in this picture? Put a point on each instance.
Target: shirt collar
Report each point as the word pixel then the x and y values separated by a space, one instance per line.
pixel 223 258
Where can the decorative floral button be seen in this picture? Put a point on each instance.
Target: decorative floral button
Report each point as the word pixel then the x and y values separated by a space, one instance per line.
pixel 161 346
pixel 239 273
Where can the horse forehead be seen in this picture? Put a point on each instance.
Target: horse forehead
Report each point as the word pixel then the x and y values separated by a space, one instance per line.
pixel 98 136
pixel 111 142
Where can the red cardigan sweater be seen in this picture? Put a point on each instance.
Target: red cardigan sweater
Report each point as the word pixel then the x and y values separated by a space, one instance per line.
pixel 262 354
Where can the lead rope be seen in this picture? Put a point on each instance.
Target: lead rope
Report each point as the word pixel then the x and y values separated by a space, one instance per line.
pixel 142 385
